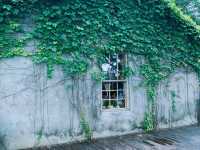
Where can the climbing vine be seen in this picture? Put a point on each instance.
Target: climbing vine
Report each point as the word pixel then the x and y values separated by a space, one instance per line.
pixel 77 34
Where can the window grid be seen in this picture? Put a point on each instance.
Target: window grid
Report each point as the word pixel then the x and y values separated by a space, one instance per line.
pixel 117 99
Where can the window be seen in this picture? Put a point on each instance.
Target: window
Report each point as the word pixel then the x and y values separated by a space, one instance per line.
pixel 114 87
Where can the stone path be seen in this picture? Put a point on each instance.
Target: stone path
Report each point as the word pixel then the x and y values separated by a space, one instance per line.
pixel 186 138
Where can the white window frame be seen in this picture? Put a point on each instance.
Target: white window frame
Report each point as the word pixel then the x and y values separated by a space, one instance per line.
pixel 125 89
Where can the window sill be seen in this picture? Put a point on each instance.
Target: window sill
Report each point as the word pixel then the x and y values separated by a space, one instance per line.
pixel 116 110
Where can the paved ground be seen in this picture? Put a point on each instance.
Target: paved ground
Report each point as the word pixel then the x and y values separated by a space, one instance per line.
pixel 186 138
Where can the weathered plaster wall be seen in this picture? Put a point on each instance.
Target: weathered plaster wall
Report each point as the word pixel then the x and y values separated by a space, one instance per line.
pixel 181 87
pixel 35 110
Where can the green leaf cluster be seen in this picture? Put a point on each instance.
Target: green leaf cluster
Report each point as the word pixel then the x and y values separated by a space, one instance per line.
pixel 85 127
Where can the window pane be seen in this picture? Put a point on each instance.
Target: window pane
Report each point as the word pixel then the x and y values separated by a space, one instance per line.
pixel 113 103
pixel 113 94
pixel 105 95
pixel 113 86
pixel 113 66
pixel 121 95
pixel 121 85
pixel 106 67
pixel 121 103
pixel 105 104
pixel 109 104
pixel 106 85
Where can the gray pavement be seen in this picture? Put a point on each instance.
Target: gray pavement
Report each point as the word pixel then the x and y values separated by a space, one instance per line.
pixel 185 138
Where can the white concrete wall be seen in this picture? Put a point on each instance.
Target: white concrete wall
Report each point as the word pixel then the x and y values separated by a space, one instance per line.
pixel 35 110
pixel 184 84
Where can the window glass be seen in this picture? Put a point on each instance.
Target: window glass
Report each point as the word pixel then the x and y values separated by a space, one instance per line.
pixel 114 87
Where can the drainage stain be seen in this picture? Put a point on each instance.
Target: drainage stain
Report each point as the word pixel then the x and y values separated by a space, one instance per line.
pixel 163 140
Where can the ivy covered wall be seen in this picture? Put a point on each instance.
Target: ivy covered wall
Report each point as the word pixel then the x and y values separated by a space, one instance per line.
pixel 75 35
